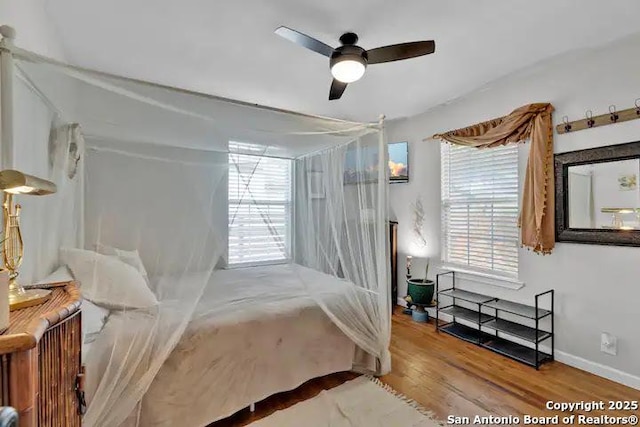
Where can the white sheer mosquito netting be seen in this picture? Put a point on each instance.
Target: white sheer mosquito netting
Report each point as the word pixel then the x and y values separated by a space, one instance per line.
pixel 164 199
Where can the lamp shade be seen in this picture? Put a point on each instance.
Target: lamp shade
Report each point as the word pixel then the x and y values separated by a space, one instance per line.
pixel 348 71
pixel 16 182
pixel 348 63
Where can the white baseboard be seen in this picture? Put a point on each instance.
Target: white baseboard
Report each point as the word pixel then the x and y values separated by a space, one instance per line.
pixel 599 369
pixel 577 362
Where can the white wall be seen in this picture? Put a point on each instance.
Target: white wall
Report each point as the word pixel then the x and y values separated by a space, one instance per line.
pixel 35 31
pixel 597 287
pixel 32 122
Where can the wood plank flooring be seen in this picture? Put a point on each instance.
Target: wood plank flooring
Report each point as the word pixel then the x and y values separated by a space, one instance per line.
pixel 451 377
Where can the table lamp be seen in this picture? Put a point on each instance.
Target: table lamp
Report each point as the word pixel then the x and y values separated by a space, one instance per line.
pixel 14 182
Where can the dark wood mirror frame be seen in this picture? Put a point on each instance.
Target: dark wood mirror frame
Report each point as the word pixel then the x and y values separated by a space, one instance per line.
pixel 593 236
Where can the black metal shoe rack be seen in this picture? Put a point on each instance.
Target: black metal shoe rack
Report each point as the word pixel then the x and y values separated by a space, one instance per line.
pixel 489 328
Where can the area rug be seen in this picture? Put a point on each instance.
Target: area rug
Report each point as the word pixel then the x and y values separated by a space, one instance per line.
pixel 364 401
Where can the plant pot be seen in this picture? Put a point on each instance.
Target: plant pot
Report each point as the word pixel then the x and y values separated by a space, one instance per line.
pixel 421 291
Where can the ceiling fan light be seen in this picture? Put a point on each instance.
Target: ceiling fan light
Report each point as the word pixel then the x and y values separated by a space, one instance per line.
pixel 348 70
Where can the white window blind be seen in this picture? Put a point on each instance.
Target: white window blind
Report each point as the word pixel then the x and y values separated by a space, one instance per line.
pixel 259 206
pixel 480 208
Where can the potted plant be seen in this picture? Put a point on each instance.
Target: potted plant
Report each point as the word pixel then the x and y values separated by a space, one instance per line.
pixel 421 290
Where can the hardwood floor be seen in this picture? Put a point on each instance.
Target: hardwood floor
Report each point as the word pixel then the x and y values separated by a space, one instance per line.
pixel 451 377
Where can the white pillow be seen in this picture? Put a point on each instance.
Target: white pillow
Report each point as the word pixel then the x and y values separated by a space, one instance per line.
pixel 62 274
pixel 93 320
pixel 93 317
pixel 107 281
pixel 130 257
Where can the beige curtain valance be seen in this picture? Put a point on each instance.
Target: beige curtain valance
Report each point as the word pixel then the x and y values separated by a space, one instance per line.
pixel 531 122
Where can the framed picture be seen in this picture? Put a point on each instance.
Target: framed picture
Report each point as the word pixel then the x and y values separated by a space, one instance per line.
pixel 628 182
pixel 316 185
pixel 398 161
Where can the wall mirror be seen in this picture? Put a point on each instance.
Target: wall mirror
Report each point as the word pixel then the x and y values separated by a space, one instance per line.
pixel 598 195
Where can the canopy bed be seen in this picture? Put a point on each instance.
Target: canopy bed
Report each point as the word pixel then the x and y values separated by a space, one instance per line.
pixel 172 329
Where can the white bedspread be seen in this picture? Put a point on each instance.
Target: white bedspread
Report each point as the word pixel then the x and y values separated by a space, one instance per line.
pixel 241 352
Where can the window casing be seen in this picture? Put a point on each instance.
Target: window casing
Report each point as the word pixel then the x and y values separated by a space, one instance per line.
pixel 480 208
pixel 259 207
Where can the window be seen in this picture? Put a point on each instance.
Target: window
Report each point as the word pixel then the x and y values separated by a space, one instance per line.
pixel 480 208
pixel 259 206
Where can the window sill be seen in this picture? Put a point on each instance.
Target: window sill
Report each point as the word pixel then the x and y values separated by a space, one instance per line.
pixel 484 278
pixel 257 264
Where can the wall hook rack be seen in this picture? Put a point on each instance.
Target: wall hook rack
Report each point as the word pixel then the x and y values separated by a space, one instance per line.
pixel 589 115
pixel 590 121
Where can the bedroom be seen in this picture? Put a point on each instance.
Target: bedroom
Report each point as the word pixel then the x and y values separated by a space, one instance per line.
pixel 253 213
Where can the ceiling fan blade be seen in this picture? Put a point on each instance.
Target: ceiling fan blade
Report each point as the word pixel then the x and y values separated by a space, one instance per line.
pixel 400 51
pixel 304 41
pixel 337 89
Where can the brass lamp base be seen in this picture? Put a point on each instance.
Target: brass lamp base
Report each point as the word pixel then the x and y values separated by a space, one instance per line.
pixel 21 298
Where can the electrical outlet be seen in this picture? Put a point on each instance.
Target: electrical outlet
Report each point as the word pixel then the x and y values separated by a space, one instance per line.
pixel 608 344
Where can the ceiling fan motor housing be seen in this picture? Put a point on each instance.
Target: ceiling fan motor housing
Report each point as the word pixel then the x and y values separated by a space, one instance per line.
pixel 349 38
pixel 348 53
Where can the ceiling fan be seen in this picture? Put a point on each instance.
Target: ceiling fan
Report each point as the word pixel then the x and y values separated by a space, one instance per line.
pixel 349 61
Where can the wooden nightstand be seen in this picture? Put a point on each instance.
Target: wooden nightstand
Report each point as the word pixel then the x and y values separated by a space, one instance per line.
pixel 40 361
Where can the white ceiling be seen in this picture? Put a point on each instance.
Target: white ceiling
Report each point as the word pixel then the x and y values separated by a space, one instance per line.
pixel 227 47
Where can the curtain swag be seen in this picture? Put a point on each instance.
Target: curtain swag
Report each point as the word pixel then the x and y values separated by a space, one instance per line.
pixel 532 122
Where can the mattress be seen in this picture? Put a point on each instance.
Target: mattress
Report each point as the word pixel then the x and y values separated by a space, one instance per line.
pixel 255 333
